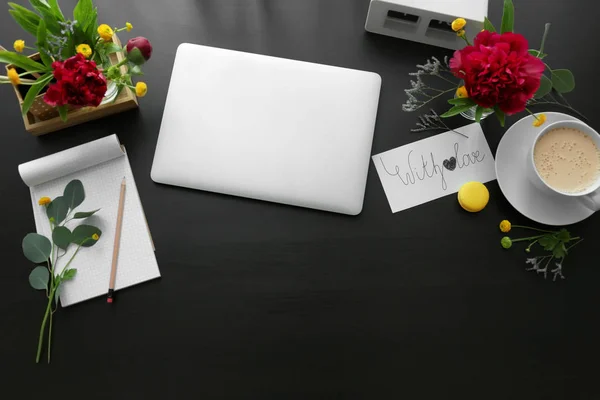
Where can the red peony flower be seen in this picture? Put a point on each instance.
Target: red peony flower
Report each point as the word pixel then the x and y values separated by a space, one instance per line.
pixel 498 70
pixel 78 83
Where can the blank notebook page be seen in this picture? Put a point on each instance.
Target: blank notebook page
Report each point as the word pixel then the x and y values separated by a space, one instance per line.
pixel 100 165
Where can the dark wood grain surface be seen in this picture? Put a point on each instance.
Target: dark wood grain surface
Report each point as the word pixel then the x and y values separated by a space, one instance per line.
pixel 264 301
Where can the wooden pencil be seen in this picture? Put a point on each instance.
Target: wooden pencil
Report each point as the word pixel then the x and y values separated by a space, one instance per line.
pixel 115 257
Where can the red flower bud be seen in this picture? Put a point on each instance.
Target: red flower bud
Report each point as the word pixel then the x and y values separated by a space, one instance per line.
pixel 139 50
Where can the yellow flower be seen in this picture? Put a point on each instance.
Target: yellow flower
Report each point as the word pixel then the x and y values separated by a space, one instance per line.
pixel 461 92
pixel 505 226
pixel 128 26
pixel 84 49
pixel 460 33
pixel 141 89
pixel 105 32
pixel 13 76
pixel 19 45
pixel 44 201
pixel 458 24
pixel 95 236
pixel 539 120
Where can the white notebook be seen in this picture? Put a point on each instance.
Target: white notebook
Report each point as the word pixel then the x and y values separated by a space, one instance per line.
pixel 100 165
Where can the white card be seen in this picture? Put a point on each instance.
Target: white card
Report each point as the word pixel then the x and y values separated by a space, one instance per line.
pixel 434 167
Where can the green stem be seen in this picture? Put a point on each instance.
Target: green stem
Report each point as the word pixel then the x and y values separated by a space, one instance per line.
pixel 50 335
pixel 39 350
pixel 533 229
pixel 528 249
pixel 575 244
pixel 532 114
pixel 546 30
pixel 527 238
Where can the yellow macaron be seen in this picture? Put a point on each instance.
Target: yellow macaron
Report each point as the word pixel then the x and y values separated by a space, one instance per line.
pixel 473 196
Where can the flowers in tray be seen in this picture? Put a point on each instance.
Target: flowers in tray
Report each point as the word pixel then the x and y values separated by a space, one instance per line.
pixel 495 73
pixel 556 243
pixel 48 253
pixel 73 67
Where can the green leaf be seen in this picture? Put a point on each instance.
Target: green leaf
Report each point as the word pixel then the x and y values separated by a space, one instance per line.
pixel 36 247
pixel 62 111
pixel 9 57
pixel 545 87
pixel 536 53
pixel 548 242
pixel 62 237
pixel 458 101
pixel 34 90
pixel 39 277
pixel 74 193
pixel 69 274
pixel 488 26
pixel 91 30
pixel 456 110
pixel 56 9
pixel 48 16
pixel 83 13
pixel 478 113
pixel 58 209
pixel 136 70
pixel 508 17
pixel 564 235
pixel 110 48
pixel 41 44
pixel 27 19
pixel 559 251
pixel 82 235
pixel 85 214
pixel 500 115
pixel 563 80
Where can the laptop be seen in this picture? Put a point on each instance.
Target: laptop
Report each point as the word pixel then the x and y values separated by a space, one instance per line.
pixel 267 128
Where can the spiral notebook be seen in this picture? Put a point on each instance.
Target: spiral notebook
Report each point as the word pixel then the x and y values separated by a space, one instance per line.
pixel 100 165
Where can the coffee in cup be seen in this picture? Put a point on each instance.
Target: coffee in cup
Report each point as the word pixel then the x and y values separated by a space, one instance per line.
pixel 567 159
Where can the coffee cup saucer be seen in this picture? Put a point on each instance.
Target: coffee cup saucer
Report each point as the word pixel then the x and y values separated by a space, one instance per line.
pixel 511 164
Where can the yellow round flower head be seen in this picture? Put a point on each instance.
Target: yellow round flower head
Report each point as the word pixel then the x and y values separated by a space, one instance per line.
pixel 19 45
pixel 44 201
pixel 458 24
pixel 473 196
pixel 506 242
pixel 105 32
pixel 95 236
pixel 461 92
pixel 13 76
pixel 141 89
pixel 505 226
pixel 539 121
pixel 84 49
pixel 128 26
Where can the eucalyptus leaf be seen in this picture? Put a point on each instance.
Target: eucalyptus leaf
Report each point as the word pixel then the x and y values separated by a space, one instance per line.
pixel 62 237
pixel 69 274
pixel 487 25
pixel 36 247
pixel 85 214
pixel 508 17
pixel 456 110
pixel 74 193
pixel 58 209
pixel 82 235
pixel 563 80
pixel 39 277
pixel 9 57
pixel 545 87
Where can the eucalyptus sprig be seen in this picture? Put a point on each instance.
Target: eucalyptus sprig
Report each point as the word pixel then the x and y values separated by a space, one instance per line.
pixel 40 250
pixel 557 243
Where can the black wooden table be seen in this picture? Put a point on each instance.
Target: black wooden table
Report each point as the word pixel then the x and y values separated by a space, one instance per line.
pixel 265 301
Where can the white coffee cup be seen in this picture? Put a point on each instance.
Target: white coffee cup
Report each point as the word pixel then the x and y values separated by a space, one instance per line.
pixel 590 197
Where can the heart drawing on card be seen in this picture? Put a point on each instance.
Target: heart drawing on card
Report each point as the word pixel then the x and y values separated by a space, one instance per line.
pixel 450 164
